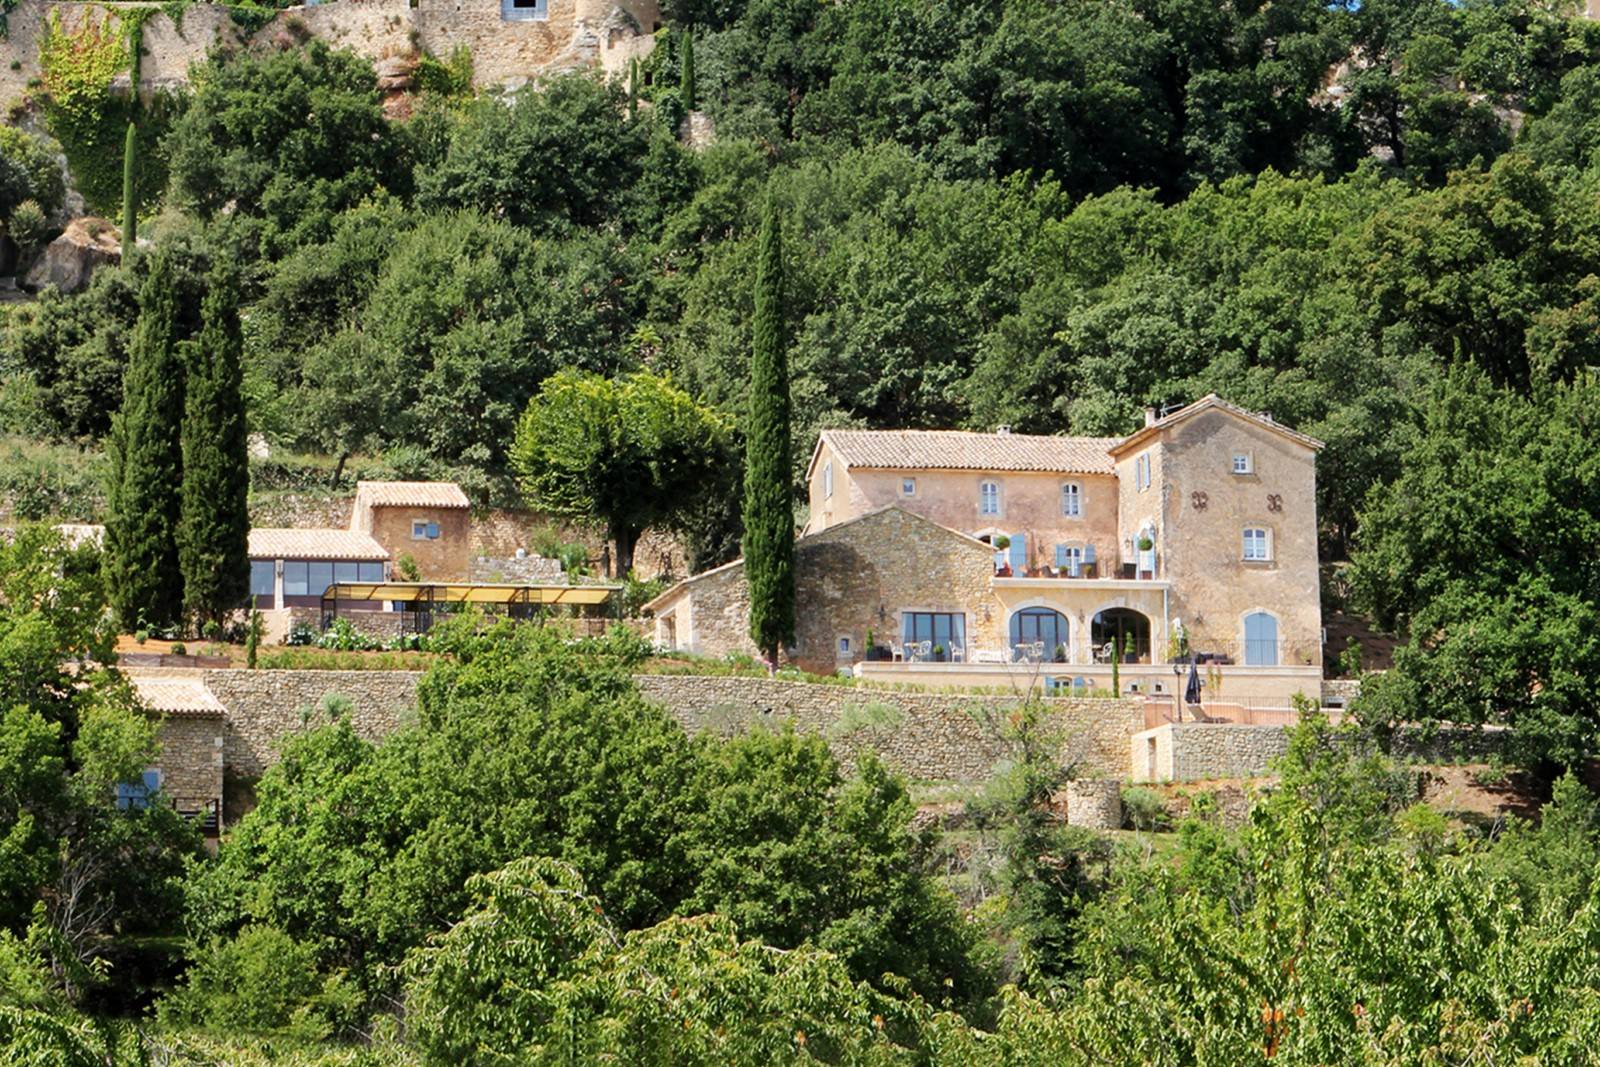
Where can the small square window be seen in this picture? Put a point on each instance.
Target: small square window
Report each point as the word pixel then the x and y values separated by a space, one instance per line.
pixel 844 646
pixel 1242 463
pixel 1257 544
pixel 908 487
pixel 524 10
pixel 423 530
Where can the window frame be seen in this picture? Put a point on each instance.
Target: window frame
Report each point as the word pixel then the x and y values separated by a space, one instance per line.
pixel 1141 471
pixel 1072 500
pixel 271 568
pixel 908 486
pixel 827 480
pixel 1249 466
pixel 990 487
pixel 538 11
pixel 1264 538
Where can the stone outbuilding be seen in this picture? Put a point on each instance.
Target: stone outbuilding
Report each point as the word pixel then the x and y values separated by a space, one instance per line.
pixel 189 769
pixel 861 584
pixel 429 521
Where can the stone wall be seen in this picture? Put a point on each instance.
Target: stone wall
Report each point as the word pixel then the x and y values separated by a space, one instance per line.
pixel 925 736
pixel 526 570
pixel 1193 751
pixel 191 760
pixel 1094 803
pixel 577 35
pixel 265 706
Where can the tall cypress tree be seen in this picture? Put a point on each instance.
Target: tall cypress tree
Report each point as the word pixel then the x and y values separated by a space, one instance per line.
pixel 633 88
pixel 768 500
pixel 214 531
pixel 130 206
pixel 686 87
pixel 141 561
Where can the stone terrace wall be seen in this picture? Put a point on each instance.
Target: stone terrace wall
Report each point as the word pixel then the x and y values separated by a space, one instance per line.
pixel 264 706
pixel 929 736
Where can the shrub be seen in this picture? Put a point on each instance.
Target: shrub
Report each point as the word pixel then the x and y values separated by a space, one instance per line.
pixel 28 227
pixel 261 980
pixel 1143 809
pixel 178 649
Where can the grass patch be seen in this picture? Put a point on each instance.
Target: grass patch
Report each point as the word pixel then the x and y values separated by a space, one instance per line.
pixel 323 659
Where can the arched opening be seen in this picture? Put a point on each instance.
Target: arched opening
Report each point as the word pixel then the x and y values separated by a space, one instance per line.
pixel 1120 630
pixel 1045 628
pixel 1260 640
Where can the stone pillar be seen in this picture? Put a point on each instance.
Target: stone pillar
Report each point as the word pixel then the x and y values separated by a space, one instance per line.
pixel 1094 803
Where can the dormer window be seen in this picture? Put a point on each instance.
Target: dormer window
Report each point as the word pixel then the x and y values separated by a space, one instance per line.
pixel 1071 500
pixel 1243 463
pixel 989 498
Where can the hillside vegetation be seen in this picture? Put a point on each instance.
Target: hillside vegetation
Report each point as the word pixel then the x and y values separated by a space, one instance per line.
pixel 1378 221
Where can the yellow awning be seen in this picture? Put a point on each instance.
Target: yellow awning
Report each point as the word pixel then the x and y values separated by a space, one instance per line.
pixel 470 594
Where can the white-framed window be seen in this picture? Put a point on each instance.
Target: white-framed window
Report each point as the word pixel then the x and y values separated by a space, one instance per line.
pixel 989 498
pixel 1070 559
pixel 1243 463
pixel 1257 544
pixel 1141 472
pixel 1072 500
pixel 827 480
pixel 908 487
pixel 423 530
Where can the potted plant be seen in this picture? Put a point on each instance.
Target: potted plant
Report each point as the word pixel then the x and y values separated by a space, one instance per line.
pixel 1146 543
pixel 938 653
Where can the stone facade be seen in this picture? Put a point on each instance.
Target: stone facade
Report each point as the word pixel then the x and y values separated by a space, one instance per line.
pixel 516 569
pixel 441 559
pixel 925 736
pixel 1095 803
pixel 851 580
pixel 1200 508
pixel 191 761
pixel 576 35
pixel 1191 483
pixel 263 707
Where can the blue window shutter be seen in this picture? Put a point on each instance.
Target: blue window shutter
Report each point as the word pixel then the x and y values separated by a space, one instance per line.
pixel 1088 553
pixel 433 530
pixel 152 781
pixel 1019 551
pixel 1061 555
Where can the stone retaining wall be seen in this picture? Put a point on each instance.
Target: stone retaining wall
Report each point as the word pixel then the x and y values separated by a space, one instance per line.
pixel 263 707
pixel 1095 803
pixel 191 760
pixel 927 736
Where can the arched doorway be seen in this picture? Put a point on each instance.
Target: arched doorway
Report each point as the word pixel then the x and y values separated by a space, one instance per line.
pixel 1044 626
pixel 1121 629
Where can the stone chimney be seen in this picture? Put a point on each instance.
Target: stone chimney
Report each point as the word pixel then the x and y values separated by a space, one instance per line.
pixel 1002 428
pixel 1151 415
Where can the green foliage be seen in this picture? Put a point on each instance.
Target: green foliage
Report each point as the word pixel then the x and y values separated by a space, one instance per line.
pixel 629 452
pixel 450 77
pixel 28 227
pixel 1144 808
pixel 262 980
pixel 214 518
pixel 286 140
pixel 28 171
pixel 687 91
pixel 768 495
pixel 143 497
pixel 77 67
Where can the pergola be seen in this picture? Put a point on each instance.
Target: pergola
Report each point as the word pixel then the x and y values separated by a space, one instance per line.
pixel 422 599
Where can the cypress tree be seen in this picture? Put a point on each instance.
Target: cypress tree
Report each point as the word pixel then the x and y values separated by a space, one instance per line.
pixel 214 530
pixel 633 88
pixel 686 86
pixel 130 209
pixel 141 560
pixel 768 500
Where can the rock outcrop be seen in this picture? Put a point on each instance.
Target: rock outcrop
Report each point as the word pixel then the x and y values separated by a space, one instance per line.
pixel 70 260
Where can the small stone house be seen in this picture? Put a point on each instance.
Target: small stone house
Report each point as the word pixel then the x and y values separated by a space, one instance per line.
pixel 431 522
pixel 189 769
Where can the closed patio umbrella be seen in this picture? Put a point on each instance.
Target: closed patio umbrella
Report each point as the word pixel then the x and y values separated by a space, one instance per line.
pixel 1191 692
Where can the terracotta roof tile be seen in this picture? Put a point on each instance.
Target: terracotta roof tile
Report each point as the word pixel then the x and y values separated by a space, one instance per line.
pixel 175 695
pixel 278 543
pixel 962 450
pixel 411 495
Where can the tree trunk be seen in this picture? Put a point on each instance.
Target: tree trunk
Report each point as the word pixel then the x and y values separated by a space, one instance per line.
pixel 625 538
pixel 338 470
